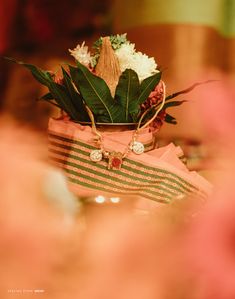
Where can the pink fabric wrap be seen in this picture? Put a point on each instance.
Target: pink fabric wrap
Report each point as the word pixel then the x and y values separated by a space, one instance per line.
pixel 157 174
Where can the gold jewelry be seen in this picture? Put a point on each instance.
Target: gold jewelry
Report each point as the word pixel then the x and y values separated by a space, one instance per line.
pixel 115 159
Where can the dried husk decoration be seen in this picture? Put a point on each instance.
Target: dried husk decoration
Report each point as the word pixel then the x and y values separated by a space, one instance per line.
pixel 108 66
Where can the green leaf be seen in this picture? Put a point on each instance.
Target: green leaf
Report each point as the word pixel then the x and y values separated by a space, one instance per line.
pixel 57 91
pixel 75 98
pixel 95 93
pixel 170 119
pixel 41 76
pixel 50 99
pixel 135 117
pixel 176 94
pixel 63 99
pixel 127 93
pixel 97 44
pixel 147 86
pixel 173 104
pixel 149 114
pixel 47 97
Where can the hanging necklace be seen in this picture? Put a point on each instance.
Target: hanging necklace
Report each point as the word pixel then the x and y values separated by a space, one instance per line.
pixel 115 159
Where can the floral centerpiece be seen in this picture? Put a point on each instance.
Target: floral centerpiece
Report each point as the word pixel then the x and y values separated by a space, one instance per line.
pixel 116 82
pixel 115 85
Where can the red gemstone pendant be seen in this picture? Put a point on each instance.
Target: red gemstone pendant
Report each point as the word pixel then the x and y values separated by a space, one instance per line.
pixel 115 160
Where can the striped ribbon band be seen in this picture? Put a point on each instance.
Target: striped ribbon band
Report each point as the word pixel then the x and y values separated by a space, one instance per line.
pixel 134 178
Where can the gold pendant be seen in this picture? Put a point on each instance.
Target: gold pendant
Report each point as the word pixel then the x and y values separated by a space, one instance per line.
pixel 115 160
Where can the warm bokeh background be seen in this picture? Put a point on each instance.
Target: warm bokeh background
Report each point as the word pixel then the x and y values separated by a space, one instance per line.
pixel 40 32
pixel 191 40
pixel 63 248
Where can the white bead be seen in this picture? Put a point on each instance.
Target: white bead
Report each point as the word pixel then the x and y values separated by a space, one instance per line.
pixel 138 148
pixel 96 156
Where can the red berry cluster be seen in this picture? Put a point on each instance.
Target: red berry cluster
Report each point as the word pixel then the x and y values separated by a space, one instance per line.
pixel 158 121
pixel 155 97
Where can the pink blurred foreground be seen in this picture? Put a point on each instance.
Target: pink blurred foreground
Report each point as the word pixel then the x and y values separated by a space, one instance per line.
pixel 183 250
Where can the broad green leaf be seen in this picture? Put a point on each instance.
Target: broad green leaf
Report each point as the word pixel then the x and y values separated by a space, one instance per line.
pixel 95 93
pixel 63 99
pixel 57 91
pixel 60 94
pixel 127 93
pixel 75 98
pixel 147 86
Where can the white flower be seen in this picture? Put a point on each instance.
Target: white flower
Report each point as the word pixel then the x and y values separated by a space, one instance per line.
pixel 126 50
pixel 81 54
pixel 128 58
pixel 125 54
pixel 144 66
